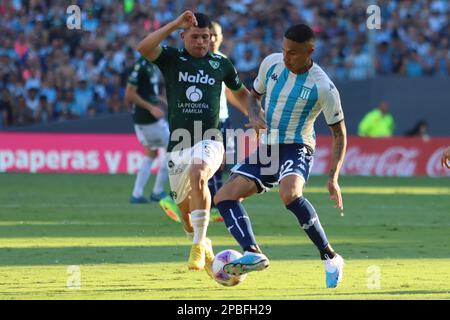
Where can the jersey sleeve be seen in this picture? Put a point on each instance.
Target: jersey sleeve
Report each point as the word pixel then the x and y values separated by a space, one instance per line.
pixel 166 58
pixel 134 75
pixel 231 77
pixel 331 105
pixel 259 85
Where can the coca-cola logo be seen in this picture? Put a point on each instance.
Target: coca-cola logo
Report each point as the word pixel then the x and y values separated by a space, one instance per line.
pixel 434 167
pixel 394 161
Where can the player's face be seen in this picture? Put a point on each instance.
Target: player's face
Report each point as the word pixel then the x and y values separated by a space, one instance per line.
pixel 297 55
pixel 197 41
pixel 216 38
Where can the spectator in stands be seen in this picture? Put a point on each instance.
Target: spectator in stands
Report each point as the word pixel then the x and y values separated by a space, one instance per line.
pixel 420 129
pixel 6 118
pixel 65 105
pixel 84 96
pixel 414 65
pixel 413 40
pixel 377 123
pixel 32 100
pixel 44 112
pixel 22 115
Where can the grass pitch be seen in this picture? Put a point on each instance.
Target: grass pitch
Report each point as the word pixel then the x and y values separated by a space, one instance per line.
pixel 76 237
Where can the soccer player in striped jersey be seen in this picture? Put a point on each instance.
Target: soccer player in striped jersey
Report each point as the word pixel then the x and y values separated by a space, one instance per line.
pixel 296 91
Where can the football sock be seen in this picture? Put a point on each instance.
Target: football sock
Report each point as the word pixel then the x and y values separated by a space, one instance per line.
pixel 327 253
pixel 200 220
pixel 161 177
pixel 238 223
pixel 309 221
pixel 142 177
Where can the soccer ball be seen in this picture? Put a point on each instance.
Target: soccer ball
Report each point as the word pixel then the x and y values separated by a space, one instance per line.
pixel 221 259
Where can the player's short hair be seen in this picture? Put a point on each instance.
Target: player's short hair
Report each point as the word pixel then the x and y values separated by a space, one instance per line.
pixel 203 20
pixel 300 33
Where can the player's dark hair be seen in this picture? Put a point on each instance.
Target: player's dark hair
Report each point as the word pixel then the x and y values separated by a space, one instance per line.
pixel 203 20
pixel 299 33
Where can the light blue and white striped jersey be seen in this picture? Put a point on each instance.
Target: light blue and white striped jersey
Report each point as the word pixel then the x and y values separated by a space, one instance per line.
pixel 293 101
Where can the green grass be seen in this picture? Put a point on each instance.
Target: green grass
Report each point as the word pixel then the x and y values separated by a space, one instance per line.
pixel 51 222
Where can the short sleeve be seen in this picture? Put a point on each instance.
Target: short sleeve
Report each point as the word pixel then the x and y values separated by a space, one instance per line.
pixel 231 77
pixel 134 75
pixel 166 58
pixel 259 85
pixel 331 104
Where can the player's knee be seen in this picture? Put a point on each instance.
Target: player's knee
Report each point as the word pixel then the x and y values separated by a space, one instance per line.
pixel 220 196
pixel 227 192
pixel 153 154
pixel 288 195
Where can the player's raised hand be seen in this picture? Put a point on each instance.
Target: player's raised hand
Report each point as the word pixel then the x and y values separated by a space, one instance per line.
pixel 445 160
pixel 186 20
pixel 335 194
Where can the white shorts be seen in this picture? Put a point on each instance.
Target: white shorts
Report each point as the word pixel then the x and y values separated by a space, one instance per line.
pixel 154 135
pixel 179 164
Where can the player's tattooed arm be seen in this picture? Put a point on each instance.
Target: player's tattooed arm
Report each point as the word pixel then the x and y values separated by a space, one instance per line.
pixel 339 133
pixel 256 114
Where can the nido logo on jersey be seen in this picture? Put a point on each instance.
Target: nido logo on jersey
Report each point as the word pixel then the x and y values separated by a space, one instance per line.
pixel 200 77
pixel 194 94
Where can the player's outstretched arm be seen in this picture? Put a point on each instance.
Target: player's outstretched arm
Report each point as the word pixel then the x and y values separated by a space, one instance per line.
pixel 339 133
pixel 235 102
pixel 445 160
pixel 150 47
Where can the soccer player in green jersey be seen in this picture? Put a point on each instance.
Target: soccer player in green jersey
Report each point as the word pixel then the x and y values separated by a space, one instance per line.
pixel 194 79
pixel 149 124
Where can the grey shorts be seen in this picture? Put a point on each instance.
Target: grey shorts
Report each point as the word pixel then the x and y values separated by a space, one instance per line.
pixel 154 135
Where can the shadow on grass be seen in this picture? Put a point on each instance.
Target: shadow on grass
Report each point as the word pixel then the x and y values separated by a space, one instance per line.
pixel 160 254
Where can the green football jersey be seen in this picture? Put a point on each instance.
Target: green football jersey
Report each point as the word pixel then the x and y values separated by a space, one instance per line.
pixel 146 77
pixel 193 87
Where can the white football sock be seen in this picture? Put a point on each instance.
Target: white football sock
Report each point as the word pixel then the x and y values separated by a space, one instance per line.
pixel 162 176
pixel 200 220
pixel 142 177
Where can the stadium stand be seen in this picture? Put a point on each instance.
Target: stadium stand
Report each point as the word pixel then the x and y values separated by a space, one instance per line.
pixel 49 73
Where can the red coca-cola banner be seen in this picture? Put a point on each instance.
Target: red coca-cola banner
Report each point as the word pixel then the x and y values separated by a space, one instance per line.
pixel 385 156
pixel 121 153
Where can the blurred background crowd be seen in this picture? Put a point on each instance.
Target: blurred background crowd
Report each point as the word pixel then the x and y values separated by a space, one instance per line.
pixel 51 73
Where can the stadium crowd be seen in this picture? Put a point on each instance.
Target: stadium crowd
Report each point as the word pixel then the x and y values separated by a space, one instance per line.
pixel 50 73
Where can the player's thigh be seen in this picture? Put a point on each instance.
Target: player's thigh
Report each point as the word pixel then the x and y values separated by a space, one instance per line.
pixel 178 170
pixel 237 188
pixel 296 162
pixel 291 188
pixel 207 157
